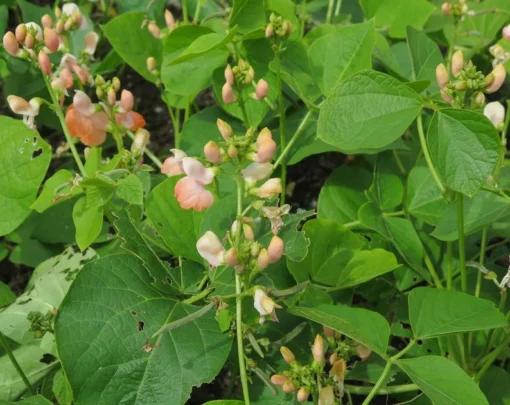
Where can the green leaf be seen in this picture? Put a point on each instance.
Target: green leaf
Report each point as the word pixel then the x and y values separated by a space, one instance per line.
pixel 424 199
pixel 88 222
pixel 130 189
pixel 484 209
pixel 32 12
pixel 495 384
pixel 45 291
pixel 248 15
pixel 134 43
pixel 180 229
pixel 443 381
pixel 464 146
pixel 25 158
pixel 6 295
pixel 367 327
pixel 340 54
pixel 61 389
pixel 389 107
pixel 100 340
pixel 434 312
pixel 56 189
pixel 224 402
pixel 343 194
pixel 35 400
pixel 425 56
pixel 387 190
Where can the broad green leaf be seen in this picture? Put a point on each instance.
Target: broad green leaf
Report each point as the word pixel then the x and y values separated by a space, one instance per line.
pixel 4 16
pixel 180 229
pixel 130 189
pixel 425 56
pixel 343 194
pixel 224 402
pixel 248 15
pixel 32 12
pixel 387 190
pixel 443 381
pixel 104 327
pixel 495 384
pixel 464 146
pixel 484 209
pixel 434 312
pixel 61 389
pixel 35 400
pixel 56 189
pixel 367 327
pixel 6 295
pixel 389 107
pixel 220 216
pixel 24 158
pixel 29 358
pixel 134 43
pixel 45 291
pixel 384 53
pixel 88 222
pixel 340 54
pixel 424 199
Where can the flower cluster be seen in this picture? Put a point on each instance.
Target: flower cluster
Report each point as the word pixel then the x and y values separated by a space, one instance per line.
pixel 469 84
pixel 457 10
pixel 278 27
pixel 240 75
pixel 325 378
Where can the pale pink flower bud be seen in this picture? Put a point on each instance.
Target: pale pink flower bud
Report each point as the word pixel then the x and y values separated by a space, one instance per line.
pixel 333 358
pixel 229 75
pixel 318 349
pixel 29 41
pixel 86 153
pixel 169 19
pixel 442 76
pixel 278 379
pixel 288 387
pixel 154 30
pixel 266 306
pixel 257 171
pixel 499 74
pixel 446 97
pixel 328 332
pixel 497 51
pixel 141 139
pixel 46 21
pixel 248 232
pixel 59 27
pixel 457 63
pixel 10 43
pixel 211 249
pixel 151 64
pixel 269 31
pixel 172 166
pixel 232 151
pixel 21 33
pixel 227 94
pixel 35 28
pixel 44 63
pixel 480 98
pixel 303 394
pixel 81 73
pixel 270 188
pixel 363 352
pixel 446 8
pixel 287 27
pixel 68 9
pixel 506 33
pixel 126 100
pixel 326 396
pixel 67 78
pixel 263 259
pixel 212 152
pixel 261 90
pixel 91 40
pixel 495 112
pixel 78 19
pixel 338 370
pixel 51 40
pixel 287 355
pixel 224 128
pixel 275 249
pixel 112 96
pixel 266 147
pixel 231 258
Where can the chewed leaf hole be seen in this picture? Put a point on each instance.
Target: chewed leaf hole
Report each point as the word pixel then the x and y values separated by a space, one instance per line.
pixel 36 153
pixel 140 326
pixel 35 140
pixel 47 358
pixel 133 312
pixel 26 140
pixel 405 325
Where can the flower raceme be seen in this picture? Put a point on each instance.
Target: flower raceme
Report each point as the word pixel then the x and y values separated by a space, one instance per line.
pixel 190 191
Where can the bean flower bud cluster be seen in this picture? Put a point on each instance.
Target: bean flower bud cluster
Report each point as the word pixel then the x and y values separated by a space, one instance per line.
pixel 154 29
pixel 468 85
pixel 278 27
pixel 239 76
pixel 330 358
pixel 455 9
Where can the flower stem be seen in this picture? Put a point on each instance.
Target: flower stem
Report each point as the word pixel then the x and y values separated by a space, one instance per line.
pixel 483 246
pixel 281 106
pixel 425 149
pixel 492 358
pixel 60 115
pixel 15 363
pixel 175 123
pixel 329 14
pixel 148 152
pixel 449 265
pixel 462 249
pixel 395 389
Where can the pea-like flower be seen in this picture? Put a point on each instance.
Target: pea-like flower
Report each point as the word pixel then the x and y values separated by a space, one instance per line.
pixel 211 249
pixel 265 306
pixel 270 188
pixel 172 166
pixel 28 109
pixel 190 190
pixel 327 396
pixel 257 171
pixel 495 112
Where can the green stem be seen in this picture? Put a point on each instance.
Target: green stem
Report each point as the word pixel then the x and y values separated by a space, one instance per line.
pixel 449 265
pixel 242 105
pixel 492 358
pixel 330 11
pixel 428 159
pixel 16 365
pixel 483 246
pixel 61 118
pixel 283 141
pixel 185 17
pixel 395 389
pixel 175 123
pixel 148 152
pixel 196 16
pixel 303 18
pixel 462 248
pixel 338 7
pixel 432 270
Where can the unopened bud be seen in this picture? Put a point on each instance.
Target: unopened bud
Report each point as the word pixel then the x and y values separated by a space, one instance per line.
pixel 77 18
pixel 248 232
pixel 250 75
pixel 287 355
pixel 328 332
pixel 10 43
pixel 255 249
pixel 446 97
pixel 363 352
pixel 460 85
pixel 275 249
pixel 59 27
pixel 21 33
pixel 288 387
pixel 457 63
pixel 232 151
pixel 112 96
pixel 506 33
pixel 86 153
pixel 126 100
pixel 229 75
pixel 497 51
pixel 224 128
pixel 44 63
pixel 231 257
pixel 480 98
pixel 499 73
pixel 29 41
pixel 270 188
pixel 116 83
pixel 154 30
pixel 326 396
pixel 58 12
pixel 318 349
pixel 140 141
pixel 333 358
pixel 169 19
pixel 51 40
pixel 278 379
pixel 227 94
pixel 446 8
pixel 261 90
pixel 269 31
pixel 68 25
pixel 212 152
pixel 303 394
pixel 495 112
pixel 263 259
pixel 442 76
pixel 287 27
pixel 151 64
pixel 46 21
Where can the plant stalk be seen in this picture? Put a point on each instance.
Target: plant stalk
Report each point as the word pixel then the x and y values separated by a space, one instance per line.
pixel 462 243
pixel 283 141
pixel 5 345
pixel 449 264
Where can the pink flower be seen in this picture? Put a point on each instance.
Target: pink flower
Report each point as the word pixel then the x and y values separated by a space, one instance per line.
pixel 261 90
pixel 227 94
pixel 190 191
pixel 275 249
pixel 126 100
pixel 28 109
pixel 10 44
pixel 266 147
pixel 257 171
pixel 172 166
pixel 91 40
pixel 211 249
pixel 499 73
pixel 270 188
pixel 265 306
pixel 44 63
pixel 51 40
